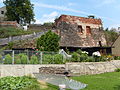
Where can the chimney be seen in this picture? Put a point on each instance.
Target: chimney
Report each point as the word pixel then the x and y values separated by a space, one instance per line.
pixel 91 16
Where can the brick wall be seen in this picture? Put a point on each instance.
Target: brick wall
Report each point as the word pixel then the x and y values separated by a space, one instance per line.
pixel 8 24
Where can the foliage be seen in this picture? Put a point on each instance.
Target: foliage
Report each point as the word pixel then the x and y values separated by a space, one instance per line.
pixel 10 45
pixel 9 31
pixel 0 58
pixel 53 59
pixel 48 42
pixel 100 58
pixel 58 59
pixel 18 83
pixel 19 10
pixel 22 59
pixel 34 60
pixel 116 57
pixel 82 56
pixel 111 36
pixel 79 56
pixel 48 24
pixel 117 70
pixel 75 57
pixel 106 81
pixel 8 59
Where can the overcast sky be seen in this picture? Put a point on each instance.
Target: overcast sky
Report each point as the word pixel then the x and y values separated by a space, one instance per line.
pixel 48 10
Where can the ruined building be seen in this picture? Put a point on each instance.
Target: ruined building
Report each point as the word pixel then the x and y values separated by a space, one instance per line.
pixel 81 33
pixel 2 13
pixel 3 19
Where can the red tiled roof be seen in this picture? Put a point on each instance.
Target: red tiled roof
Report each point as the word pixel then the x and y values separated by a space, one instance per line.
pixel 73 19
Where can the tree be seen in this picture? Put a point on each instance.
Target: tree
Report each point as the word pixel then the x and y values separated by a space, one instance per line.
pixel 48 42
pixel 20 11
pixel 111 35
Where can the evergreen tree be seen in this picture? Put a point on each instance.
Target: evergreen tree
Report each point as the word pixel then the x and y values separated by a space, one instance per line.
pixel 48 42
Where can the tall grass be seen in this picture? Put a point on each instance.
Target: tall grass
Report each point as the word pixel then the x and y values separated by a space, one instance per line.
pixel 9 31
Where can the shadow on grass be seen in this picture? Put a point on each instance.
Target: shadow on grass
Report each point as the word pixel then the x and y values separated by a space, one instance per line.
pixel 117 87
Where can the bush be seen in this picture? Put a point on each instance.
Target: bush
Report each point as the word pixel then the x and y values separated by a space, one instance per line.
pixel 47 59
pixel 75 57
pixel 53 59
pixel 79 56
pixel 34 60
pixel 8 59
pixel 0 58
pixel 58 59
pixel 48 42
pixel 117 70
pixel 21 59
pixel 82 56
pixel 90 59
pixel 116 57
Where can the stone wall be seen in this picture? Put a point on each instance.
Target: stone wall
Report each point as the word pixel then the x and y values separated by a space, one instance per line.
pixel 4 41
pixel 85 68
pixel 70 35
pixel 75 68
pixel 21 70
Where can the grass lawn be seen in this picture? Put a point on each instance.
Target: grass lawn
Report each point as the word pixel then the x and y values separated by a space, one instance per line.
pixel 106 81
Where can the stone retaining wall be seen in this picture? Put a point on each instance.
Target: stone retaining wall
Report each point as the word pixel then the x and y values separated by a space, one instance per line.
pixel 85 68
pixel 75 68
pixel 21 70
pixel 4 41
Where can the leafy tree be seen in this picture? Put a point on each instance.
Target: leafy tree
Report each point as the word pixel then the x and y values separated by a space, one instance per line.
pixel 111 35
pixel 20 11
pixel 48 42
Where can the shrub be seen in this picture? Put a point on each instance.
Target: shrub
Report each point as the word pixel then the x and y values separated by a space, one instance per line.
pixel 83 57
pixel 75 57
pixel 34 60
pixel 47 59
pixel 58 59
pixel 48 42
pixel 90 59
pixel 117 70
pixel 21 59
pixel 8 59
pixel 116 57
pixel 53 59
pixel 0 58
pixel 79 56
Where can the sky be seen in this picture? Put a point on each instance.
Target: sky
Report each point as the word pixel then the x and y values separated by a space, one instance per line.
pixel 48 10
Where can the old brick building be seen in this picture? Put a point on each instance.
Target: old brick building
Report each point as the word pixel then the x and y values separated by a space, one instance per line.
pixel 81 33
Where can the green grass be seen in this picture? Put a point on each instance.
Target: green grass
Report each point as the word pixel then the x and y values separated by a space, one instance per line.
pixel 107 81
pixel 9 31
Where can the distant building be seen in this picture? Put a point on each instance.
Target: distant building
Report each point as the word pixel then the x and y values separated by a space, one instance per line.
pixel 81 33
pixel 116 47
pixel 2 13
pixel 3 19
